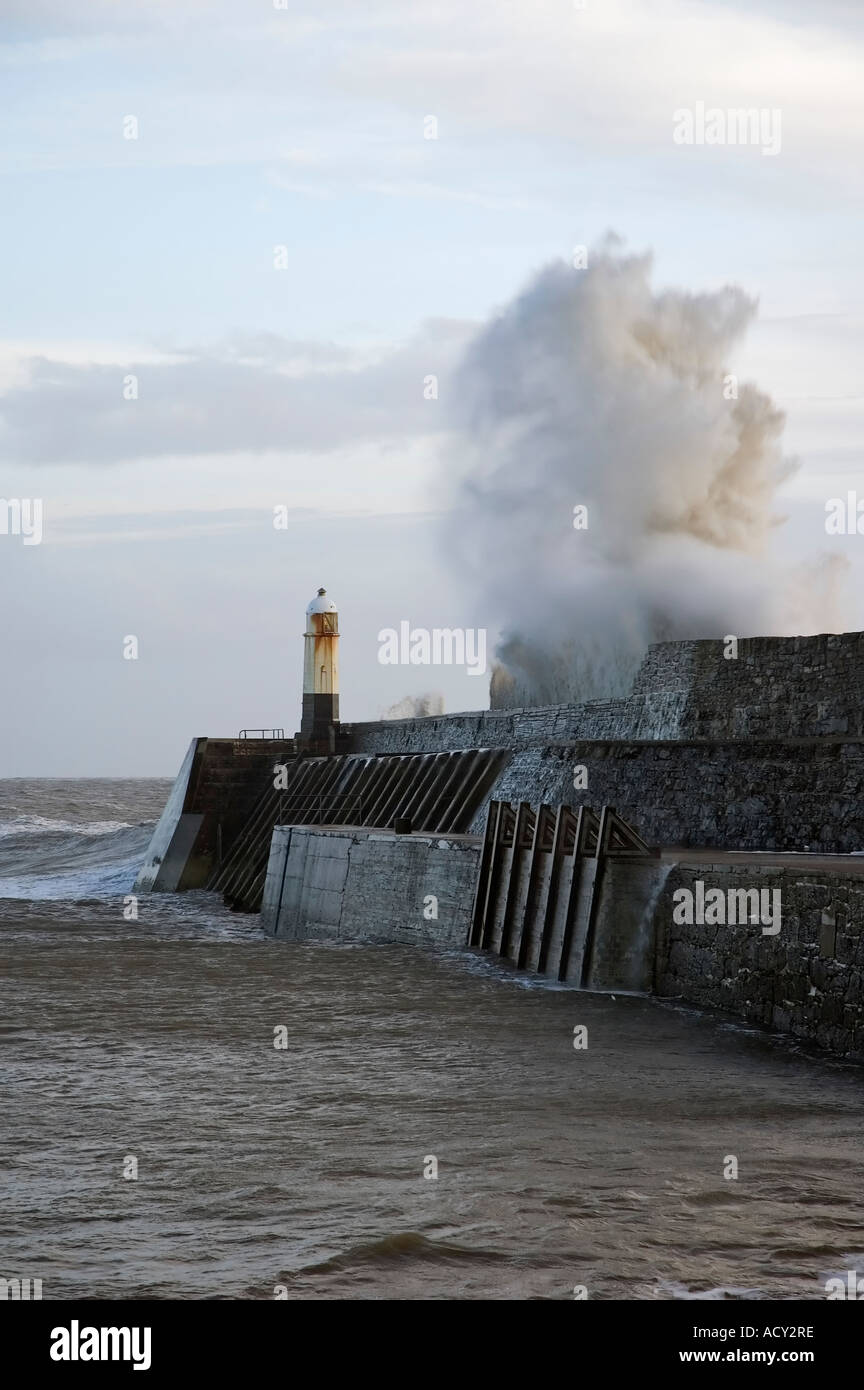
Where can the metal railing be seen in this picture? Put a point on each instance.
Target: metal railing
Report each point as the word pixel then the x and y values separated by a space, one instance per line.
pixel 324 809
pixel 261 733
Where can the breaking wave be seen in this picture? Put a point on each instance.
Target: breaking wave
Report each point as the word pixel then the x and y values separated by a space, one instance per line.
pixel 96 860
pixel 86 848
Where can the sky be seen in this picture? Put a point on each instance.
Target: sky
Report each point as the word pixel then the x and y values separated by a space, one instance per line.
pixel 281 257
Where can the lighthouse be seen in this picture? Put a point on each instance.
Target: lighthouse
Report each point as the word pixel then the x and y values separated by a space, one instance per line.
pixel 320 669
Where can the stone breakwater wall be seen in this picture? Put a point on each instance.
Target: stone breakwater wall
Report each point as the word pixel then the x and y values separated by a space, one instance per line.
pixel 807 980
pixel 802 687
pixel 761 795
pixel 760 750
pixel 486 729
pixel 775 687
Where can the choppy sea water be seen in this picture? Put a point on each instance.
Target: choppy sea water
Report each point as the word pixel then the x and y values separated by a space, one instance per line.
pixel 301 1168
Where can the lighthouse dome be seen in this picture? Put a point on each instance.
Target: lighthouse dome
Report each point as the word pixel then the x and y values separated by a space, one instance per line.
pixel 320 604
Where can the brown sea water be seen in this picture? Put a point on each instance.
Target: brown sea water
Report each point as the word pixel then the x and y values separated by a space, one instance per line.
pixel 303 1166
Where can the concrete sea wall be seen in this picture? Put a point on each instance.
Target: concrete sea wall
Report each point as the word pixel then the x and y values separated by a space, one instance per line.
pixel 208 806
pixel 175 834
pixel 761 751
pixel 350 884
pixel 605 939
pixel 369 885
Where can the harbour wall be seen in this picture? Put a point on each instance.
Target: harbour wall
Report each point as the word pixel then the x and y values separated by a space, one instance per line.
pixel 807 980
pixel 354 885
pixel 715 750
pixel 760 750
pixel 351 884
pixel 790 687
pixel 778 794
pixel 763 749
pixel 219 782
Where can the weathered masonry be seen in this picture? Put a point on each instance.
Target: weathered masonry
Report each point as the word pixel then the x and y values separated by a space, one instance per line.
pixel 545 899
pixel 807 980
pixel 554 838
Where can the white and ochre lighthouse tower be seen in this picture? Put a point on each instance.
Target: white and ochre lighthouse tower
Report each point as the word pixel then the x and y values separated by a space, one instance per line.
pixel 320 669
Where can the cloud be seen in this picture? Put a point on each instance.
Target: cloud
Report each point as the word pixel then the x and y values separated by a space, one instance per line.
pixel 612 74
pixel 256 393
pixel 603 81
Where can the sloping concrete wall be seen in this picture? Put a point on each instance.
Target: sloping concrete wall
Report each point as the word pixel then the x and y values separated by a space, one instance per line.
pixel 218 783
pixel 373 886
pixel 173 838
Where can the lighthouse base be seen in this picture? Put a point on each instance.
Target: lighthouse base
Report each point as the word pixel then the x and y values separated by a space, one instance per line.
pixel 320 713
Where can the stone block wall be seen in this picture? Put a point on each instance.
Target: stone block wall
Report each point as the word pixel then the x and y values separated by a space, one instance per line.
pixel 777 795
pixel 487 729
pixel 777 687
pixel 807 980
